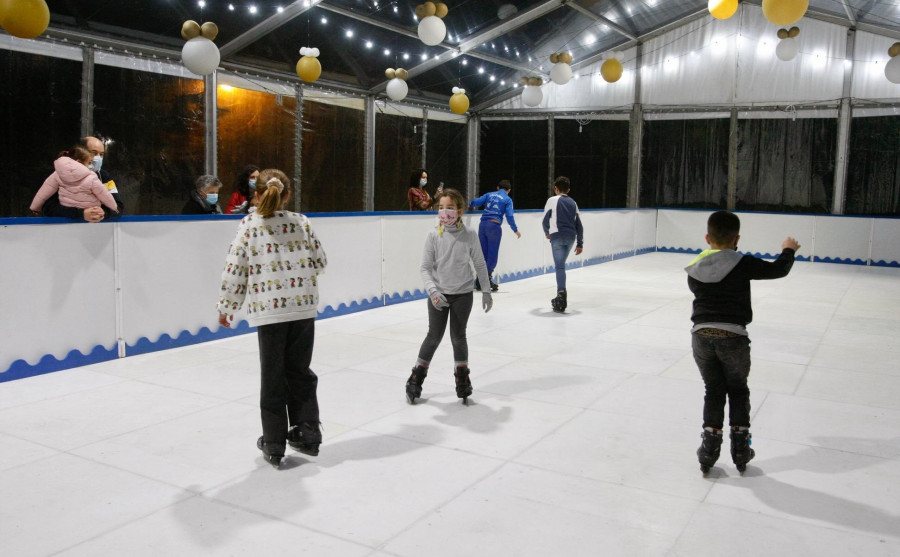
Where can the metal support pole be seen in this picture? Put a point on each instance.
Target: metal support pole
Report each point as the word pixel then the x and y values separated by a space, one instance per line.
pixel 369 157
pixel 211 124
pixel 473 156
pixel 87 92
pixel 842 149
pixel 635 135
pixel 298 148
pixel 425 138
pixel 551 153
pixel 731 191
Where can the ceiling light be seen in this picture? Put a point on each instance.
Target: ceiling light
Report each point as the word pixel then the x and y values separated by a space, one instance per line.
pixel 502 82
pixel 231 7
pixel 279 9
pixel 480 70
pixel 349 33
pixel 405 56
pixel 324 20
pixel 395 9
pixel 465 62
pixel 492 78
pixel 201 3
pixel 424 57
pixel 369 44
pixel 387 52
pixel 252 9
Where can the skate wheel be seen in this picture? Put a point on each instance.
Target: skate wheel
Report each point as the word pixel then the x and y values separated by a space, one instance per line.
pixel 411 400
pixel 465 401
pixel 704 468
pixel 742 468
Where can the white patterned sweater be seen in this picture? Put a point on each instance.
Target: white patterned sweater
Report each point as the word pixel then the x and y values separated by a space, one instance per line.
pixel 271 269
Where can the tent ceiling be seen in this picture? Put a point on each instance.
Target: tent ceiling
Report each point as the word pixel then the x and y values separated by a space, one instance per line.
pixel 490 44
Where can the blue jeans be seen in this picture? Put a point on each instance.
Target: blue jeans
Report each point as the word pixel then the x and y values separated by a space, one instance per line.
pixel 724 365
pixel 561 248
pixel 489 233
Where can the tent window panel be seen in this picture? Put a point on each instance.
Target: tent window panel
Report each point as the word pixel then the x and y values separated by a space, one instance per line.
pixel 516 151
pixel 873 169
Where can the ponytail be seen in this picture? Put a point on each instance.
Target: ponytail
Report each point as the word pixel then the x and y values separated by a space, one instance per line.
pixel 272 189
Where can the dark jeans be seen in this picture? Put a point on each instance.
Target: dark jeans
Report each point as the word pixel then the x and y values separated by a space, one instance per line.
pixel 458 315
pixel 288 387
pixel 489 233
pixel 561 248
pixel 724 365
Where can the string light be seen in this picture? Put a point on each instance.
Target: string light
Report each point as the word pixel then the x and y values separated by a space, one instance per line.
pixel 252 9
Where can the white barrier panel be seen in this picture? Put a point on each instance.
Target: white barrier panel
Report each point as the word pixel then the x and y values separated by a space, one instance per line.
pixel 763 233
pixel 352 279
pixel 404 239
pixel 843 240
pixel 622 233
pixel 681 231
pixel 645 230
pixel 521 257
pixel 886 243
pixel 59 302
pixel 598 235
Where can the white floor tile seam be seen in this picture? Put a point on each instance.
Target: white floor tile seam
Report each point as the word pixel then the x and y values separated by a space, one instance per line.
pixel 13 383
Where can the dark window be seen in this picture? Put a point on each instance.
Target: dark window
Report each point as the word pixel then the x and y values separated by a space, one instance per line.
pixel 398 151
pixel 594 156
pixel 446 161
pixel 516 151
pixel 873 178
pixel 333 150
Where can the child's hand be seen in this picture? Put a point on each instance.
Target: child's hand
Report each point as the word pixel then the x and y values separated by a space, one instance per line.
pixel 790 243
pixel 223 320
pixel 518 234
pixel 486 301
pixel 439 301
pixel 578 250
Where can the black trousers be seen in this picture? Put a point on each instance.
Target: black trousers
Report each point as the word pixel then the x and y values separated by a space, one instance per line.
pixel 288 387
pixel 724 364
pixel 458 315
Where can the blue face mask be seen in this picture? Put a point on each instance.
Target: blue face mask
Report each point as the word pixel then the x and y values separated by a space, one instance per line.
pixel 97 163
pixel 252 184
pixel 212 198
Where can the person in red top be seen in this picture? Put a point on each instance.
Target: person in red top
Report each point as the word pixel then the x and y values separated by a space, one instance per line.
pixel 419 199
pixel 244 185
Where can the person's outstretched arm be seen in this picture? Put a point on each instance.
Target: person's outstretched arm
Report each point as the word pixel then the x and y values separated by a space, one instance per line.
pixel 759 269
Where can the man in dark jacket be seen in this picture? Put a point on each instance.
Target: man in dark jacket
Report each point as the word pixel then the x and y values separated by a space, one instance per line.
pixel 720 280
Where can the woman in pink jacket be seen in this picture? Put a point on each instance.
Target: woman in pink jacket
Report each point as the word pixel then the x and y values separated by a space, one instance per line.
pixel 77 185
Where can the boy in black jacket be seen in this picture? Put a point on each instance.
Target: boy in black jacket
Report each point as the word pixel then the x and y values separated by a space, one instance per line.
pixel 720 280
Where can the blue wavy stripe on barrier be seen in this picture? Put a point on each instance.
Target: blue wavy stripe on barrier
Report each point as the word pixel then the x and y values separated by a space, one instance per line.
pixel 519 275
pixel 186 338
pixel 397 298
pixel 597 260
pixel 623 254
pixel 846 261
pixel 883 263
pixel 344 309
pixel 667 249
pixel 20 369
pixel 642 251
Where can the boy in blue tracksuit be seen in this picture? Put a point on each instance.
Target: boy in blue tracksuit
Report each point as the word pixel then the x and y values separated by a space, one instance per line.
pixel 562 226
pixel 496 205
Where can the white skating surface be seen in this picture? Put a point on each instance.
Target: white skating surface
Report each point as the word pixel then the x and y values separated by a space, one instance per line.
pixel 580 439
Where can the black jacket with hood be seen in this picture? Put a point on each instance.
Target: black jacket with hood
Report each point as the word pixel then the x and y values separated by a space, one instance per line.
pixel 720 281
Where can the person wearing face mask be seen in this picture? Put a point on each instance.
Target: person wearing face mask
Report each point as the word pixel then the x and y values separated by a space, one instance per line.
pixel 450 251
pixel 419 199
pixel 204 197
pixel 244 186
pixel 54 208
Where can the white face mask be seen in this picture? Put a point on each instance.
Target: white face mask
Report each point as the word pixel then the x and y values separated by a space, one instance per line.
pixel 422 182
pixel 97 163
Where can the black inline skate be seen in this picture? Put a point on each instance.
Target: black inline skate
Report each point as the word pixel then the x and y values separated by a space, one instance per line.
pixel 463 384
pixel 708 452
pixel 494 286
pixel 271 453
pixel 741 453
pixel 305 438
pixel 559 303
pixel 414 383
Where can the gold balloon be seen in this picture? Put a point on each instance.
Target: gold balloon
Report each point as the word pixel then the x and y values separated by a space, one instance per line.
pixel 894 50
pixel 611 70
pixel 25 19
pixel 402 74
pixel 523 81
pixel 309 69
pixel 209 30
pixel 441 9
pixel 459 103
pixel 429 8
pixel 793 32
pixel 783 33
pixel 784 12
pixel 420 11
pixel 190 29
pixel 535 81
pixel 390 73
pixel 566 58
pixel 554 58
pixel 722 9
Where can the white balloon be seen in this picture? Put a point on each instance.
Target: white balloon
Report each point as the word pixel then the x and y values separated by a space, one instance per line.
pixel 432 30
pixel 397 89
pixel 506 10
pixel 892 70
pixel 561 73
pixel 786 49
pixel 532 95
pixel 200 55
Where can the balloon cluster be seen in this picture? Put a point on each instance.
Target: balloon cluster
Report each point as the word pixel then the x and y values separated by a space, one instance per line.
pixel 459 102
pixel 561 72
pixel 308 67
pixel 611 69
pixel 431 29
pixel 25 19
pixel 532 94
pixel 784 12
pixel 722 9
pixel 396 87
pixel 199 54
pixel 787 47
pixel 892 68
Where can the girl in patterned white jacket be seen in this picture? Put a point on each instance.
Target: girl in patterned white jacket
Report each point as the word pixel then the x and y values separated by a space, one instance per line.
pixel 271 270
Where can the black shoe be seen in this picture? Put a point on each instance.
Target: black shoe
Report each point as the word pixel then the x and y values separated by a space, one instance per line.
pixel 708 452
pixel 463 384
pixel 741 453
pixel 414 383
pixel 477 285
pixel 559 303
pixel 271 452
pixel 494 287
pixel 305 438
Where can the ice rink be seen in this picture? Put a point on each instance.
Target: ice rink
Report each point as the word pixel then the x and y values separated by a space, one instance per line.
pixel 579 440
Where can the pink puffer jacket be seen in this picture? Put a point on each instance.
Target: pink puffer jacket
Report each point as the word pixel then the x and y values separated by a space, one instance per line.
pixel 78 186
